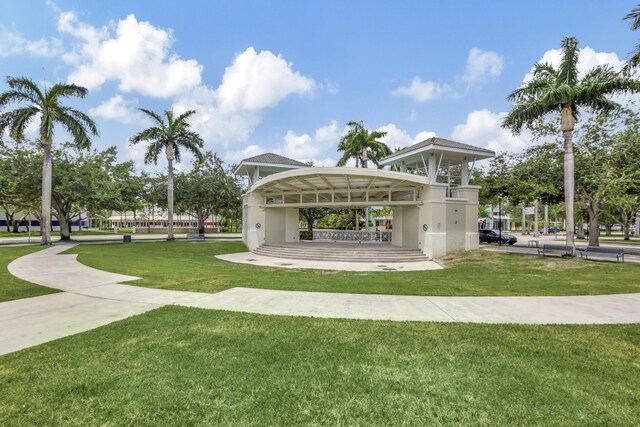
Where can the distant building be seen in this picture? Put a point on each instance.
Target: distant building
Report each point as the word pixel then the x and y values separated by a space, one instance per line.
pixel 156 218
pixel 29 222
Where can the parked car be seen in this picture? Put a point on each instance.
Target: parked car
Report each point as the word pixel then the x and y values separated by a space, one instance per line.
pixel 493 236
pixel 554 230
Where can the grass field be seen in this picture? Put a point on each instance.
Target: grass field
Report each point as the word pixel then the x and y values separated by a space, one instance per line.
pixel 180 366
pixel 192 266
pixel 11 287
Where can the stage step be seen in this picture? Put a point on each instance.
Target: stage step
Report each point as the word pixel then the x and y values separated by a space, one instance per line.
pixel 342 252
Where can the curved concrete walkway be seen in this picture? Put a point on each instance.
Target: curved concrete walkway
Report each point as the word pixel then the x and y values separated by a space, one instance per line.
pixel 92 298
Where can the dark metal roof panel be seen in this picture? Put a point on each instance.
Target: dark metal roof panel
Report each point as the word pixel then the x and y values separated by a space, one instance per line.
pixel 274 159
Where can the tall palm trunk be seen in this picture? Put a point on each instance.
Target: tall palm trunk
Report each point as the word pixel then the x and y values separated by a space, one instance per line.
pixel 567 127
pixel 45 220
pixel 170 235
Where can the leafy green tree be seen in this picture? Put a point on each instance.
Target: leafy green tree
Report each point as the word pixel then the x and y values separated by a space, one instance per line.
pixel 623 203
pixel 129 188
pixel 170 136
pixel 207 189
pixel 82 181
pixel 608 169
pixel 47 108
pixel 20 181
pixel 311 215
pixel 561 90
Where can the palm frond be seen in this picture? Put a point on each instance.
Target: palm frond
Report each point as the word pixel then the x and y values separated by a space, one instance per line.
pixel 569 64
pixel 153 152
pixel 526 114
pixel 14 96
pixel 181 120
pixel 18 120
pixel 83 119
pixel 531 90
pixel 77 130
pixel 149 134
pixel 60 90
pixel 154 116
pixel 27 87
pixel 633 16
pixel 604 80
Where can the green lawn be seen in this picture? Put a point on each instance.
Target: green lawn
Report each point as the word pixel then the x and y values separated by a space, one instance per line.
pixel 10 286
pixel 632 241
pixel 181 366
pixel 192 266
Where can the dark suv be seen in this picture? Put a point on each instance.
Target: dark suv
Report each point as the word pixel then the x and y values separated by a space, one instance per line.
pixel 493 236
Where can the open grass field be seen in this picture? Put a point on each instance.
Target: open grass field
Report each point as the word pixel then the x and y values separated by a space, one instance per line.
pixel 180 366
pixel 11 287
pixel 192 266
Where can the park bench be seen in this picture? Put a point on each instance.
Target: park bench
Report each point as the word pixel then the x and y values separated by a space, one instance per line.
pixel 198 236
pixel 558 250
pixel 598 252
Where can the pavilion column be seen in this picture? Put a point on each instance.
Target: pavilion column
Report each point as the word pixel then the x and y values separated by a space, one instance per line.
pixel 464 175
pixel 433 166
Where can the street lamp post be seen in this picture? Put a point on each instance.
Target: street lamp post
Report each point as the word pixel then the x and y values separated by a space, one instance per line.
pixel 500 220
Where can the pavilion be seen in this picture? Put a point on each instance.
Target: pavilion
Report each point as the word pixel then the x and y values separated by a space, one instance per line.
pixel 427 186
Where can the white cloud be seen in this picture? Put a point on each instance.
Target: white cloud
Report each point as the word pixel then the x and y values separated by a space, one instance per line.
pixel 421 136
pixel 306 147
pixel 398 138
pixel 133 53
pixel 482 65
pixel 119 109
pixel 483 129
pixel 413 115
pixel 259 80
pixel 12 43
pixel 252 83
pixel 248 151
pixel 421 91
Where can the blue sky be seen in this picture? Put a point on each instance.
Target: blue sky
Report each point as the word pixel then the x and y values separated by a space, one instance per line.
pixel 286 76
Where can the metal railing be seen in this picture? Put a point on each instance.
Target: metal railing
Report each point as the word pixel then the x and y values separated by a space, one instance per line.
pixel 380 236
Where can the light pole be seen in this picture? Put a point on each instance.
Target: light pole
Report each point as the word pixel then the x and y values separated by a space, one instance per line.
pixel 500 220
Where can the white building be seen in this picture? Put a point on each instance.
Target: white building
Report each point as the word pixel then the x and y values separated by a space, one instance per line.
pixel 432 210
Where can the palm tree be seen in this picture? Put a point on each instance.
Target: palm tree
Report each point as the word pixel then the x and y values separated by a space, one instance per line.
pixel 168 136
pixel 47 107
pixel 562 90
pixel 362 145
pixel 634 61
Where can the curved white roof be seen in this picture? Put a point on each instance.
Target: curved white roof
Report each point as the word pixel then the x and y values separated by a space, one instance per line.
pixel 337 178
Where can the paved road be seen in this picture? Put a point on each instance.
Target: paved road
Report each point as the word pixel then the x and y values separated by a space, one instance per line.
pixel 92 298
